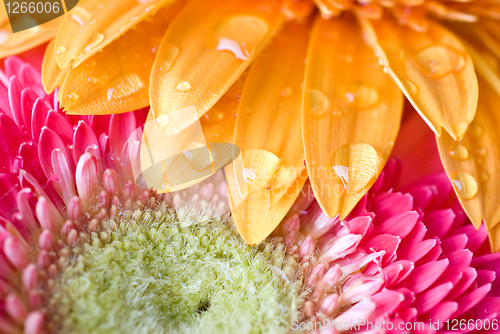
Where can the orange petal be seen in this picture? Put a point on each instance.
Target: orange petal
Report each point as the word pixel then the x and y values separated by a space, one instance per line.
pixel 12 44
pixel 218 123
pixel 351 115
pixel 268 122
pixel 116 80
pixel 433 69
pixel 207 47
pixel 473 163
pixel 52 75
pixel 93 24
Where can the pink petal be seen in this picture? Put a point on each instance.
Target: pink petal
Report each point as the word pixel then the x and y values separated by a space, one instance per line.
pixel 15 91
pixel 12 66
pixel 442 312
pixel 424 276
pixel 30 277
pixel 386 302
pixel 386 242
pixel 415 251
pixel 28 99
pixel 358 225
pixel 445 218
pixel 24 207
pixel 30 77
pixel 34 323
pixel 307 247
pixel 100 124
pixel 461 257
pixel 63 172
pixel 16 253
pixel 16 308
pixel 59 124
pixel 84 137
pixel 485 277
pixel 468 301
pixel 454 243
pixel 405 268
pixel 38 117
pixel 429 299
pixel 468 276
pixel 86 177
pixel 399 225
pixel 387 205
pixel 120 127
pixel 49 141
pixel 29 154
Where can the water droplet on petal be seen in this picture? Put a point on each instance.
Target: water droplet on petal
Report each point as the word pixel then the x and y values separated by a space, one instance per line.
pixel 80 15
pixel 73 96
pixel 183 86
pixel 436 61
pixel 459 152
pixel 483 176
pixel 410 87
pixel 92 80
pixel 481 151
pixel 248 174
pixel 60 50
pixel 476 130
pixel 465 184
pixel 240 35
pixel 353 166
pixel 360 95
pixel 214 116
pixel 94 41
pixel 162 120
pixel 318 103
pixel 286 92
pixel 227 44
pixel 169 57
pixel 109 93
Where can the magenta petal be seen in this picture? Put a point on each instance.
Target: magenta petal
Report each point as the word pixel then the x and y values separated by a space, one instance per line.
pixel 8 199
pixel 461 257
pixel 454 243
pixel 4 101
pixel 399 225
pixel 100 124
pixel 468 276
pixel 445 218
pixel 15 90
pixel 488 306
pixel 476 238
pixel 31 163
pixel 59 124
pixel 359 225
pixel 83 138
pixel 442 312
pixel 11 137
pixel 386 242
pixel 407 269
pixel 468 301
pixel 38 117
pixel 485 277
pixel 28 99
pixel 423 195
pixel 387 205
pixel 415 251
pixel 429 299
pixel 30 77
pixel 49 141
pixel 120 127
pixel 12 66
pixel 424 276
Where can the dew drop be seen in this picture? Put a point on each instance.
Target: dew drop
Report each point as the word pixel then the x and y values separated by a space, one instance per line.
pixel 476 130
pixel 94 41
pixel 60 50
pixel 92 80
pixel 409 86
pixel 249 174
pixel 80 15
pixel 436 61
pixel 73 96
pixel 239 50
pixel 169 56
pixel 459 152
pixel 353 166
pixel 162 120
pixel 481 151
pixel 109 93
pixel 360 95
pixel 465 184
pixel 286 92
pixel 214 116
pixel 240 35
pixel 483 176
pixel 183 86
pixel 318 103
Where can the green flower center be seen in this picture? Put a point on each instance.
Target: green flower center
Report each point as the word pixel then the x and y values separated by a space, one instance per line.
pixel 152 274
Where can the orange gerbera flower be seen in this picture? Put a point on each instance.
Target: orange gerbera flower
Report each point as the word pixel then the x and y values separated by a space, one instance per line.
pixel 340 108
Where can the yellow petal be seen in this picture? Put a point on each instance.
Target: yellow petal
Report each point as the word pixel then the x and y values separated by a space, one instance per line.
pixel 207 47
pixel 432 68
pixel 52 75
pixel 473 163
pixel 116 80
pixel 93 24
pixel 268 131
pixel 11 44
pixel 351 115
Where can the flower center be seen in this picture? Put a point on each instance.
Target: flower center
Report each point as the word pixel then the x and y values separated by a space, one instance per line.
pixel 149 273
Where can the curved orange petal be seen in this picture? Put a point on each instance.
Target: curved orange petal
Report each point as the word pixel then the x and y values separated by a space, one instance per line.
pixel 351 114
pixel 52 75
pixel 116 80
pixel 11 44
pixel 207 47
pixel 432 68
pixel 269 121
pixel 93 24
pixel 473 163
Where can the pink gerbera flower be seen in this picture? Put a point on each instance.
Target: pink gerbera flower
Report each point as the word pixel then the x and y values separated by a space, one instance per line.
pixel 83 249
